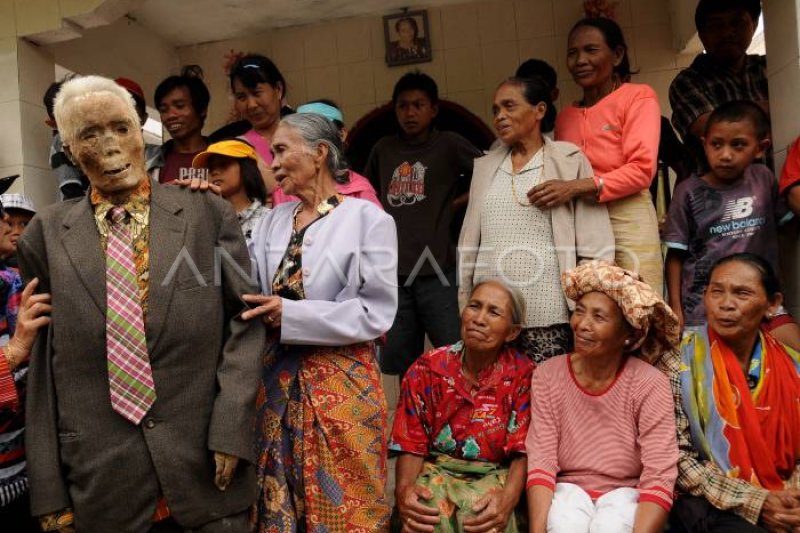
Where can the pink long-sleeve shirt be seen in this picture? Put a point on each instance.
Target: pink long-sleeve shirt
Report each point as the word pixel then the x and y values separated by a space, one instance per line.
pixel 619 135
pixel 601 441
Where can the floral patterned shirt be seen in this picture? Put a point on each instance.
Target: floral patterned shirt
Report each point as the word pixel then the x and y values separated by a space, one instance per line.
pixel 288 279
pixel 439 412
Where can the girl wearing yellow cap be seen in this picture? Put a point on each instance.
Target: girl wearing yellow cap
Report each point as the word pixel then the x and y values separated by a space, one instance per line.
pixel 232 167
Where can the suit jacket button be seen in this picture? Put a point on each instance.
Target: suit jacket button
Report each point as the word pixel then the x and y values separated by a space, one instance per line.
pixel 149 423
pixel 306 271
pixel 308 241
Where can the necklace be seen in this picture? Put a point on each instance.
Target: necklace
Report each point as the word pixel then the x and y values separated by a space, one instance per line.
pixel 514 185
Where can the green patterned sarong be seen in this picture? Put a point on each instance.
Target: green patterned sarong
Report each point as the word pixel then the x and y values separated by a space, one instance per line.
pixel 457 485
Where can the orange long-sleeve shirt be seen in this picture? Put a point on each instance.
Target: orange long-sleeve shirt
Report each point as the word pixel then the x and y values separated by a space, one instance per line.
pixel 619 135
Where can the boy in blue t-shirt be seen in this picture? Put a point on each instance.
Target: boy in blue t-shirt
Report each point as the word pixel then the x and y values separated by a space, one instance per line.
pixel 734 207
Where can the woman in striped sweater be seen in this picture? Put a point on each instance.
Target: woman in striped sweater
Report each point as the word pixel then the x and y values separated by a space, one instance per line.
pixel 602 451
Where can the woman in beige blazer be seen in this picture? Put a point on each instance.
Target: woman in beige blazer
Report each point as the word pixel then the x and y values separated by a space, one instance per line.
pixel 505 235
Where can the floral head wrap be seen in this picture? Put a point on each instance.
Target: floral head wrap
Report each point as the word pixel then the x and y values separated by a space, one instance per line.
pixel 657 328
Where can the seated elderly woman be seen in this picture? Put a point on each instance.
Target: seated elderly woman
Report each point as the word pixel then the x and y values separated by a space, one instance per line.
pixel 602 452
pixel 737 390
pixel 461 423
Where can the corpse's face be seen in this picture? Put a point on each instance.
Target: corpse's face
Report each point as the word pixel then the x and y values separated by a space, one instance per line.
pixel 108 145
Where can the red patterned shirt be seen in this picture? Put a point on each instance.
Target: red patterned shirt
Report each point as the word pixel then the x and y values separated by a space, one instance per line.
pixel 440 413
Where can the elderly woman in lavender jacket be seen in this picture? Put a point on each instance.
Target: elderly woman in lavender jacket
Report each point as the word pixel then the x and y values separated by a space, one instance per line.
pixel 326 266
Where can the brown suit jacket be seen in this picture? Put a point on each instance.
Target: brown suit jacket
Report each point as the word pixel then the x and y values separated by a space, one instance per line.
pixel 205 361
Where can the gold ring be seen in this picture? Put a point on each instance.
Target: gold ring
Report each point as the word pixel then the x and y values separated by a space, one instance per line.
pixel 269 318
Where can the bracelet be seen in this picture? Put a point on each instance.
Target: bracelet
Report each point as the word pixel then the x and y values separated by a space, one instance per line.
pixel 7 356
pixel 599 184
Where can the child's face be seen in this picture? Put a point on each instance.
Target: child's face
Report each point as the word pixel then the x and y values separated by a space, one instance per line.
pixel 224 173
pixel 415 112
pixel 17 222
pixel 731 147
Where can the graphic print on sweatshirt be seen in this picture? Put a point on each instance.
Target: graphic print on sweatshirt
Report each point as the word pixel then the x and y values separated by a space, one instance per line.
pixel 407 185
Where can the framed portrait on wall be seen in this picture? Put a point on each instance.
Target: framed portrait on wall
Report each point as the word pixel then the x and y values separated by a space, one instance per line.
pixel 408 40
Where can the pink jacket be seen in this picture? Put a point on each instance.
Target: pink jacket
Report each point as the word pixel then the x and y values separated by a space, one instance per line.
pixel 619 135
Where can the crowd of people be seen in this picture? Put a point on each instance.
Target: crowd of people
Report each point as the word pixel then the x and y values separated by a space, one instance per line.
pixel 194 338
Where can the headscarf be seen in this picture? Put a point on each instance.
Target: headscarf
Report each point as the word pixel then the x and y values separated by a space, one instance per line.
pixel 657 328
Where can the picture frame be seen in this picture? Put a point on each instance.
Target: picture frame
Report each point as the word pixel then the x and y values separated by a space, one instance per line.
pixel 407 38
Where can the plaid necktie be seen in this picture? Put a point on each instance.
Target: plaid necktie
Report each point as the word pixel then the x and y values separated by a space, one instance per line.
pixel 130 377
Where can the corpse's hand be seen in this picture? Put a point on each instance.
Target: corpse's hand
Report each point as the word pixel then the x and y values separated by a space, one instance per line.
pixel 491 513
pixel 196 184
pixel 416 516
pixel 268 307
pixel 226 466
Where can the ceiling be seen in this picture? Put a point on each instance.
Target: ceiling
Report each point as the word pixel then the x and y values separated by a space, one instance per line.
pixel 186 22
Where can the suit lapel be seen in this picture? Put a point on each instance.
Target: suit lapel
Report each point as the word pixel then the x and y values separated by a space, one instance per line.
pixel 167 234
pixel 81 241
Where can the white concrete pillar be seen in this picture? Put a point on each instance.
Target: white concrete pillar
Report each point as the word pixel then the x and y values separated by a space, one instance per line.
pixel 26 72
pixel 782 32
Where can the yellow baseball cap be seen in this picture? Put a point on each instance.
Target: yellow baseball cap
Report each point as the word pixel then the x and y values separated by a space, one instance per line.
pixel 233 148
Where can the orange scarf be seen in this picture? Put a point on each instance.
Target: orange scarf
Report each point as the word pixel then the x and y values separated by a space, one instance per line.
pixel 762 428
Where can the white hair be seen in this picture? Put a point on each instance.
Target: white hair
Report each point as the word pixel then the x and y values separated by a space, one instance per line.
pixel 518 307
pixel 78 88
pixel 315 129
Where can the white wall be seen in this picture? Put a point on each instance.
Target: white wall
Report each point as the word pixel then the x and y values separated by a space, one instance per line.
pixel 124 48
pixel 475 46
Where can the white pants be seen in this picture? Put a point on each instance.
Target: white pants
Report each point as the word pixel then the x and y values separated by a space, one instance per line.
pixel 573 511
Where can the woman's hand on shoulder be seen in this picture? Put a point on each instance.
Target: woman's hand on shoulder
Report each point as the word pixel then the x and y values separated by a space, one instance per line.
pixel 415 515
pixel 196 184
pixel 553 193
pixel 492 513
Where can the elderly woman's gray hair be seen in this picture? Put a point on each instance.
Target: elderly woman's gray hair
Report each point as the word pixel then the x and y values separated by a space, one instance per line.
pixel 315 129
pixel 517 299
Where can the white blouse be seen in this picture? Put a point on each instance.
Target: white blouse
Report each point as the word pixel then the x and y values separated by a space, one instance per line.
pixel 517 243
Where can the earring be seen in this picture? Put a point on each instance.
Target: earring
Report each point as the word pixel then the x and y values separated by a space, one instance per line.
pixel 627 342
